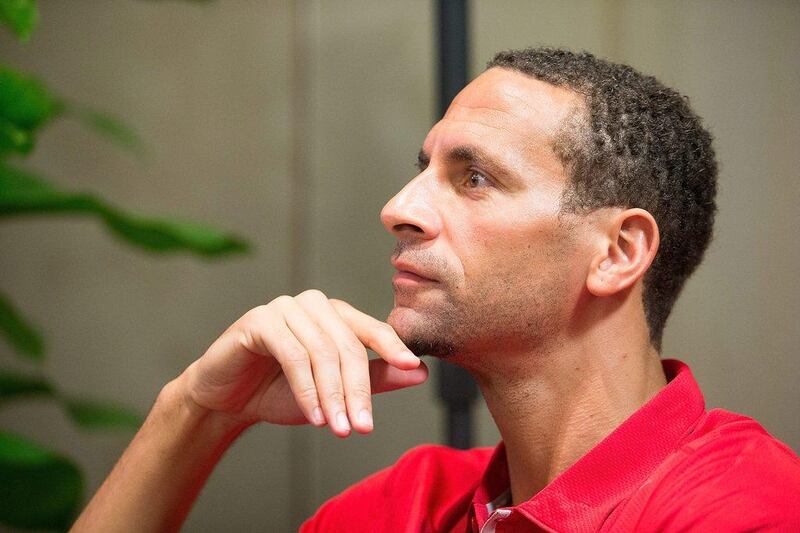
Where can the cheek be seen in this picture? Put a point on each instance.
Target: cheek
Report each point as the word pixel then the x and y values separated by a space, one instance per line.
pixel 507 261
pixel 511 246
pixel 507 242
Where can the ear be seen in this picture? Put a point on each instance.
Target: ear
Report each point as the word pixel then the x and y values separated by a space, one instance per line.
pixel 628 243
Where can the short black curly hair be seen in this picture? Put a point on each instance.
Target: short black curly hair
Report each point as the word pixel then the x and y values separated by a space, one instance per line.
pixel 635 143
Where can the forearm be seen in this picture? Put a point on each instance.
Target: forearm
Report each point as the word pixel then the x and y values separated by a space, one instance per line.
pixel 153 485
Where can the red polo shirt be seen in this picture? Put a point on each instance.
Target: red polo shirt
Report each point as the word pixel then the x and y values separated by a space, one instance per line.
pixel 671 466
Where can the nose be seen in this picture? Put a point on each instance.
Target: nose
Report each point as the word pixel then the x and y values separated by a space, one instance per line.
pixel 411 214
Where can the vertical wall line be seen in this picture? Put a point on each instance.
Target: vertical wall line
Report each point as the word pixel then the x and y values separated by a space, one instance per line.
pixel 300 184
pixel 304 33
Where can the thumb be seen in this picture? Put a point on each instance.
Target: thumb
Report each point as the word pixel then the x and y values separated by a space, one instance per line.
pixel 384 378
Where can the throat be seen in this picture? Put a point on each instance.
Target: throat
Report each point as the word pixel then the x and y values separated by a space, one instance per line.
pixel 550 418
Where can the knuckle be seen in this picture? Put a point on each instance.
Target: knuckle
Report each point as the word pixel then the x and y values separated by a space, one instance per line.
pixel 354 348
pixel 252 339
pixel 326 355
pixel 281 301
pixel 323 347
pixel 246 340
pixel 254 327
pixel 311 294
pixel 360 391
pixel 338 304
pixel 255 313
pixel 335 397
pixel 307 394
pixel 294 355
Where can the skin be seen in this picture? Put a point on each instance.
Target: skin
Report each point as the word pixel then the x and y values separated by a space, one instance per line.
pixel 492 239
pixel 544 308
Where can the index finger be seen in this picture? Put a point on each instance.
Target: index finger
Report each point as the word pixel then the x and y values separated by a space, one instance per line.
pixel 377 335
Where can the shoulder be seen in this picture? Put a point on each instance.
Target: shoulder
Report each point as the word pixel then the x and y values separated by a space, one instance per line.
pixel 732 445
pixel 730 473
pixel 429 469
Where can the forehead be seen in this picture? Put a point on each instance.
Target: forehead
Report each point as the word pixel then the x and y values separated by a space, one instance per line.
pixel 509 114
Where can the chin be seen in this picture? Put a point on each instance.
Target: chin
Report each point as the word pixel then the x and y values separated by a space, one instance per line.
pixel 405 321
pixel 419 333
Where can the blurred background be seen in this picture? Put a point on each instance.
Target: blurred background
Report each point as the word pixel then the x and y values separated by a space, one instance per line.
pixel 289 124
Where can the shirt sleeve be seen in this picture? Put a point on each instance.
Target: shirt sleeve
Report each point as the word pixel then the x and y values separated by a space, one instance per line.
pixel 358 508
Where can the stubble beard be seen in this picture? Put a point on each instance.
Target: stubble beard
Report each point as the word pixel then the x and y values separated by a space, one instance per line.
pixel 429 333
pixel 496 314
pixel 498 318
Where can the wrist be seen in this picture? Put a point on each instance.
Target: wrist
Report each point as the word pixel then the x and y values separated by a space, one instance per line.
pixel 176 398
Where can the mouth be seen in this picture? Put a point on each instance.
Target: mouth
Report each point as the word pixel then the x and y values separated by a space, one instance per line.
pixel 404 277
pixel 408 274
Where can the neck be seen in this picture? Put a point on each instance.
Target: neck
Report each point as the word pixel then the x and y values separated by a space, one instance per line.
pixel 554 404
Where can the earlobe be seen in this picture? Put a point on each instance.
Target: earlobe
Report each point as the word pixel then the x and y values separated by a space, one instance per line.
pixel 630 243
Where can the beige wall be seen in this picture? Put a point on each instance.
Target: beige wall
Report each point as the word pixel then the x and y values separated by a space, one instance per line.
pixel 245 102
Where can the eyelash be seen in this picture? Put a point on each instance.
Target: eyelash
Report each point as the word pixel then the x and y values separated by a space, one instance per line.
pixel 422 165
pixel 472 173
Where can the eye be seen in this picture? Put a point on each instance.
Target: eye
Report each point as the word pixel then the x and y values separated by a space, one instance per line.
pixel 476 180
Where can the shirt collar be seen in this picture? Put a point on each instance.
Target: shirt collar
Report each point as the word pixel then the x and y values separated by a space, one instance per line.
pixel 582 496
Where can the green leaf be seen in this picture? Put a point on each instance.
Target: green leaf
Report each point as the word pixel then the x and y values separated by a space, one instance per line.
pixel 21 16
pixel 164 235
pixel 39 489
pixel 87 414
pixel 92 414
pixel 15 385
pixel 25 105
pixel 109 127
pixel 19 333
pixel 23 192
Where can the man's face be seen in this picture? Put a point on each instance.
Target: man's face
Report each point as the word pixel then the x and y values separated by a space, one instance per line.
pixel 481 223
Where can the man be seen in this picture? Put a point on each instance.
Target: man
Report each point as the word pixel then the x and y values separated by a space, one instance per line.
pixel 561 203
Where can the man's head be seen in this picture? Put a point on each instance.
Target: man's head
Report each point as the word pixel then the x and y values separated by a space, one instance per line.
pixel 547 185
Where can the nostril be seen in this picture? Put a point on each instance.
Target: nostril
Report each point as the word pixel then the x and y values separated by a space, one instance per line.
pixel 407 227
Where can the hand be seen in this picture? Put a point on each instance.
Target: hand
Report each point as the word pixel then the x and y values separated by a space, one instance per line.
pixel 299 359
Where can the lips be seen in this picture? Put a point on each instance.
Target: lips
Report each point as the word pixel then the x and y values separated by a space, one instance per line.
pixel 405 267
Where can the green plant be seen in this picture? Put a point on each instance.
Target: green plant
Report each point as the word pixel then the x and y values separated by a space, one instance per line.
pixel 39 488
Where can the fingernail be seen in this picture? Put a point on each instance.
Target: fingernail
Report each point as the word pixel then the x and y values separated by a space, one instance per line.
pixel 409 353
pixel 341 421
pixel 365 417
pixel 316 416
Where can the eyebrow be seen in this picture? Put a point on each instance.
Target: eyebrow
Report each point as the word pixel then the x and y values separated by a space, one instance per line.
pixel 467 154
